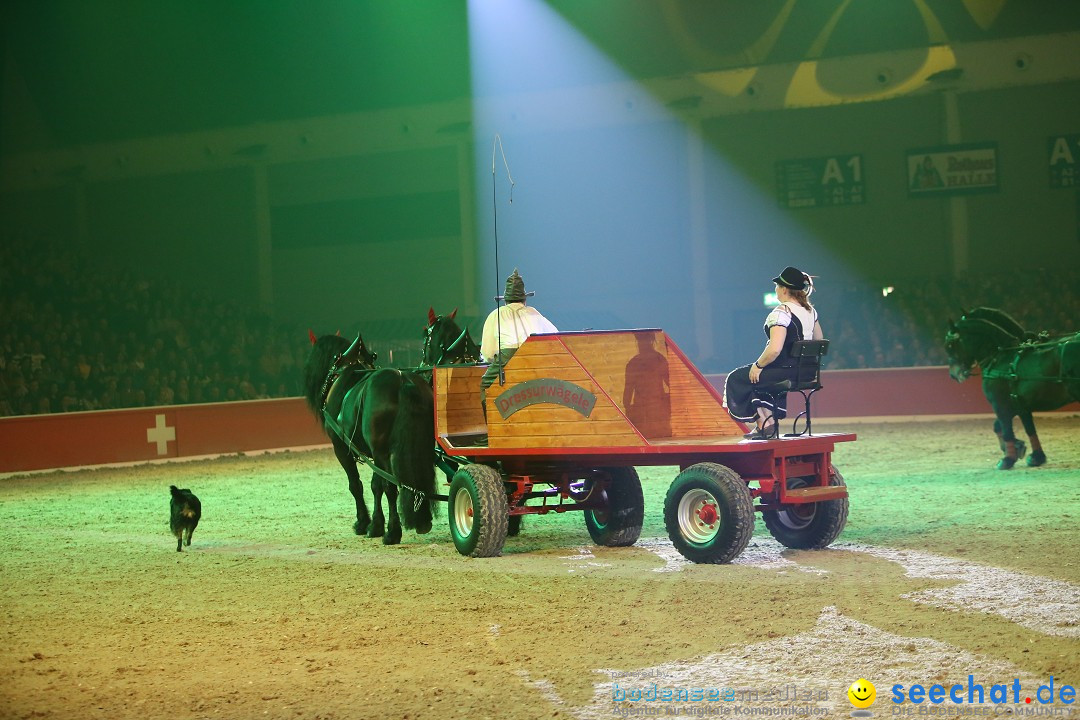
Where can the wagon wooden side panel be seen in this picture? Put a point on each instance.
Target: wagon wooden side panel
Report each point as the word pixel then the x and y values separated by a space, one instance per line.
pixel 551 400
pixel 632 372
pixel 641 375
pixel 615 389
pixel 457 410
pixel 700 408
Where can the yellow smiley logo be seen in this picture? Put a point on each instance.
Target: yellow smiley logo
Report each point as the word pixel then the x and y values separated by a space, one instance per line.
pixel 862 693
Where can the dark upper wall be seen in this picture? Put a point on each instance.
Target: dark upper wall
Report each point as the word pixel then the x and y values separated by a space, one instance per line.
pixel 603 223
pixel 367 237
pixel 894 235
pixel 892 239
pixel 1028 225
pixel 108 70
pixel 197 229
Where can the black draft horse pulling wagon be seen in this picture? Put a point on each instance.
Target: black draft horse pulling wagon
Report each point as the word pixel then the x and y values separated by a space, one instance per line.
pixel 579 410
pixel 383 417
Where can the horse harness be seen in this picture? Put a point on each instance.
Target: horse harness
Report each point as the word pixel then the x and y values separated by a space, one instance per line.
pixel 331 381
pixel 1011 373
pixel 344 360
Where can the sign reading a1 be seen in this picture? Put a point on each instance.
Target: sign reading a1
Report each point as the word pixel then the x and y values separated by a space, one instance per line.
pixel 820 182
pixel 1063 153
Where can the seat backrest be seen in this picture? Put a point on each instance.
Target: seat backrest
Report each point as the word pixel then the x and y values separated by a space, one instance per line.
pixel 808 354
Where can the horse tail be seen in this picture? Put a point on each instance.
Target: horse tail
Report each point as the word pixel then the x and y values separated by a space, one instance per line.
pixel 412 443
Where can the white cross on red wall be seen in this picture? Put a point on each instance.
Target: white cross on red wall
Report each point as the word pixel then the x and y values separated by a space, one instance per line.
pixel 161 434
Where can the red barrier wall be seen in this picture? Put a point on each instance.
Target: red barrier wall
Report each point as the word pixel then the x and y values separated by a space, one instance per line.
pixel 890 392
pixel 36 442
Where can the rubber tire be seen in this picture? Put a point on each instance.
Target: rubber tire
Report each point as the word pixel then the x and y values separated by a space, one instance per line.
pixel 482 488
pixel 619 524
pixel 735 513
pixel 816 531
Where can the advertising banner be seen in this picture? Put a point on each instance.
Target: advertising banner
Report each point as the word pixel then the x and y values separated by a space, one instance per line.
pixel 952 170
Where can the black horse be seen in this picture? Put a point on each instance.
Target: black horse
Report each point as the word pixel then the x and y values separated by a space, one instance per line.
pixel 1022 372
pixel 445 343
pixel 387 415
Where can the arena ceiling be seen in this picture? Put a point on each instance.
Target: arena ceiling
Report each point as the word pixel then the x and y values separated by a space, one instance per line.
pixel 91 71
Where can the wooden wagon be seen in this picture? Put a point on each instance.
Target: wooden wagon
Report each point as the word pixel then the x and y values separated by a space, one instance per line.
pixel 580 410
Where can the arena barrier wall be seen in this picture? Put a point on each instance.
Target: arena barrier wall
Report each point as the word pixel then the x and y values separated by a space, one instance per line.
pixel 38 442
pixel 892 393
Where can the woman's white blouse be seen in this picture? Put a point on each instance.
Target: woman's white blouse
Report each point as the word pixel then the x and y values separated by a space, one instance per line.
pixel 807 318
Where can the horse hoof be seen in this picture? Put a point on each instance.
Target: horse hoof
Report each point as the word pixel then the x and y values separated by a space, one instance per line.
pixel 375 531
pixel 1036 459
pixel 423 528
pixel 360 528
pixel 391 538
pixel 1006 463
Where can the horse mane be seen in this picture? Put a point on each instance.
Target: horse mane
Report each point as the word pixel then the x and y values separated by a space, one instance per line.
pixel 987 331
pixel 470 345
pixel 1000 318
pixel 322 356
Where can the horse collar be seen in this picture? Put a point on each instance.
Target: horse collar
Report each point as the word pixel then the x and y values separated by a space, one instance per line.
pixel 328 383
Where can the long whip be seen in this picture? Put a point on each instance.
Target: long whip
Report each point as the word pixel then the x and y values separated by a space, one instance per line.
pixel 495 212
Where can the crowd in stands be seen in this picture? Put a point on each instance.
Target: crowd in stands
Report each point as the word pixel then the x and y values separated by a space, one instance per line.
pixel 76 337
pixel 905 326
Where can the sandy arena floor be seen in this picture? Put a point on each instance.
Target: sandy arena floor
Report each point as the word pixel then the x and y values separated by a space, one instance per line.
pixel 947 568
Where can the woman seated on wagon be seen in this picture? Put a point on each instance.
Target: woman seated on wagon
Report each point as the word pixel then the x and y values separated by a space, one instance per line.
pixel 793 319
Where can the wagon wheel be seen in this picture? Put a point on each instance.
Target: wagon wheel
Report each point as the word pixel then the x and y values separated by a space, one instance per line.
pixel 618 522
pixel 478 511
pixel 811 526
pixel 708 513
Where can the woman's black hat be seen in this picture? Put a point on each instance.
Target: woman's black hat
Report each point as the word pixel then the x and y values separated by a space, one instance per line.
pixel 791 278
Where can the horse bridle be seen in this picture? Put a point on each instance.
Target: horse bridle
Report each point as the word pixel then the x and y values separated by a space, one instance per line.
pixel 956 339
pixel 447 349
